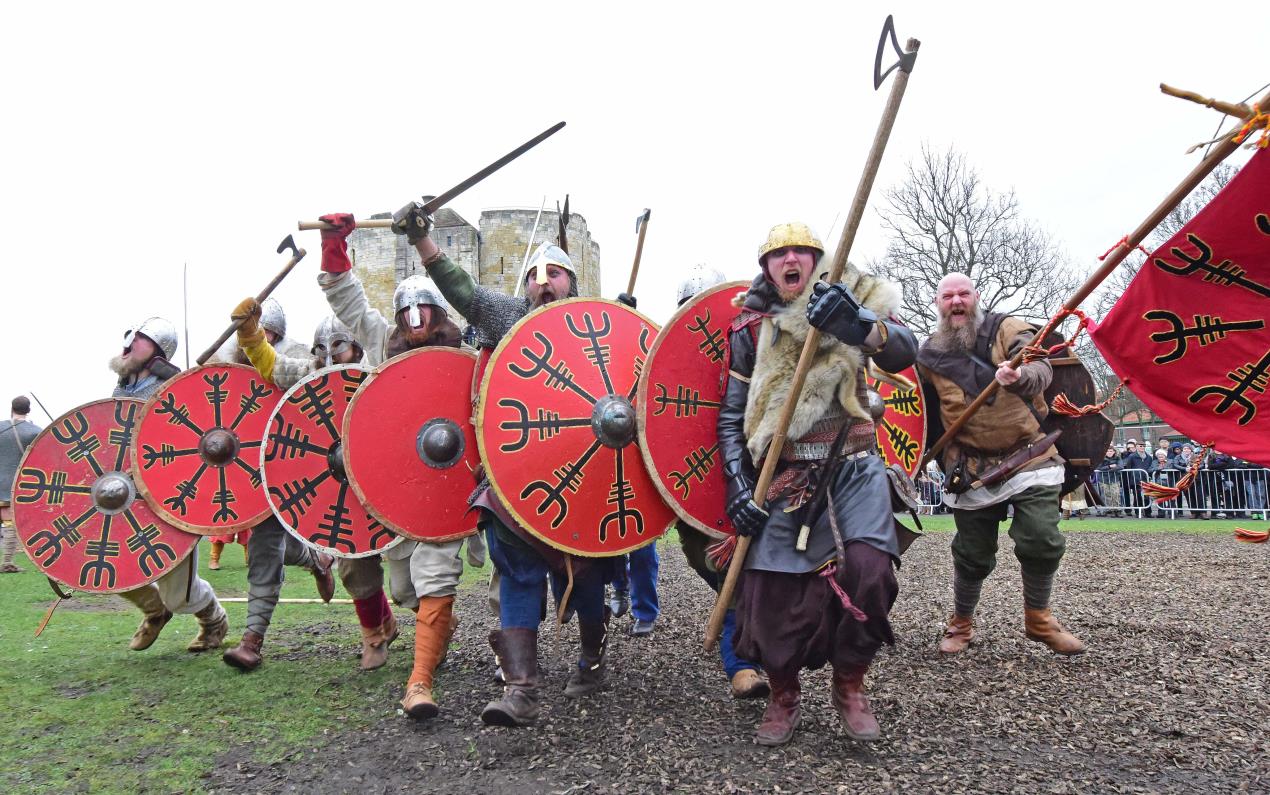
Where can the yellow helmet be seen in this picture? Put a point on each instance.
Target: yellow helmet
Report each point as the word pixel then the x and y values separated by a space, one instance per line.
pixel 794 233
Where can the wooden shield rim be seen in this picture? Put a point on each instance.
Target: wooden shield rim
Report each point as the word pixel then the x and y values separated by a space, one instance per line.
pixel 352 478
pixel 642 415
pixel 144 490
pixel 22 462
pixel 264 481
pixel 480 421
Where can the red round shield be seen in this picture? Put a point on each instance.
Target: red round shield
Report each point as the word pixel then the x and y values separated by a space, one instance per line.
pixel 409 446
pixel 76 507
pixel 194 448
pixel 302 467
pixel 679 408
pixel 557 428
pixel 902 429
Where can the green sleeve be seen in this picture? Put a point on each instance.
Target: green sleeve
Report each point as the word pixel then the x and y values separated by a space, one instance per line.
pixel 455 284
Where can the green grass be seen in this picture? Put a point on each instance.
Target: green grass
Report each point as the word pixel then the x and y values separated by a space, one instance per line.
pixel 86 714
pixel 943 523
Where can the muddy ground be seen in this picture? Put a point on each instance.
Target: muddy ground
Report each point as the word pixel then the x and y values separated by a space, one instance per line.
pixel 1173 696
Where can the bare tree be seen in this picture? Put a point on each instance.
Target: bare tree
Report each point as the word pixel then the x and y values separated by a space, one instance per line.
pixel 942 220
pixel 1105 379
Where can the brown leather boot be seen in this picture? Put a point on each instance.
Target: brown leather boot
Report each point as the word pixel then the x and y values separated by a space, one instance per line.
pixel 1042 627
pixel 246 655
pixel 959 634
pixel 433 628
pixel 375 642
pixel 748 683
pixel 853 705
pixel 323 576
pixel 213 626
pixel 588 675
pixel 780 719
pixel 517 652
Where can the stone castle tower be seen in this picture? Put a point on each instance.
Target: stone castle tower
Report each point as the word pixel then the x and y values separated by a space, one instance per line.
pixel 492 254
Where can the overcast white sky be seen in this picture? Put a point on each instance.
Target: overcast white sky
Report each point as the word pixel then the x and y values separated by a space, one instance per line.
pixel 141 136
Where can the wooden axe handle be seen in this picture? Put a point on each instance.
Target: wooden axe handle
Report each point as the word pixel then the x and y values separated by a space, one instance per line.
pixel 639 253
pixel 373 223
pixel 269 288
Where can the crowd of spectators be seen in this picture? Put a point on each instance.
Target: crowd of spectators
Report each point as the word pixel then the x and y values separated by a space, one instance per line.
pixel 1224 486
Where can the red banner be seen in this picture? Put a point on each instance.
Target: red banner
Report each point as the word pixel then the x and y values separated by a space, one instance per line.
pixel 1189 336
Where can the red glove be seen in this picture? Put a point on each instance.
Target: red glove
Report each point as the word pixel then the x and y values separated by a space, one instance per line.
pixel 334 246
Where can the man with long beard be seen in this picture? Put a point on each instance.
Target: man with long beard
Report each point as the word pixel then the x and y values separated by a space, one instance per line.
pixel 957 363
pixel 142 367
pixel 523 562
pixel 828 600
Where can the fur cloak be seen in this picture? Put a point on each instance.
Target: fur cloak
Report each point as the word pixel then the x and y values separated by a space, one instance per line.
pixel 835 369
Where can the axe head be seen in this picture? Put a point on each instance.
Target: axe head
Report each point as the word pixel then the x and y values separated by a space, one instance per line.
pixel 906 59
pixel 642 219
pixel 289 243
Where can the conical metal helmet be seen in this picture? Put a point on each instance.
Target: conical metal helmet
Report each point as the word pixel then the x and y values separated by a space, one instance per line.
pixel 700 277
pixel 548 254
pixel 794 233
pixel 272 318
pixel 330 333
pixel 157 330
pixel 415 290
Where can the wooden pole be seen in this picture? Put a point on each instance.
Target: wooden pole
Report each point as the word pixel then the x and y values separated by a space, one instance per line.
pixel 269 288
pixel 371 223
pixel 1113 260
pixel 642 222
pixel 1238 110
pixel 854 217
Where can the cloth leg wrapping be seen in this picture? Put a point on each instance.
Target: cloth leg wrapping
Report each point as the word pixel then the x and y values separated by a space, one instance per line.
pixel 435 569
pixel 1036 590
pixel 644 565
pixel 793 621
pixel 172 587
pixel 1038 543
pixel 10 544
pixel 432 634
pixel 266 550
pixel 965 594
pixel 372 611
pixel 146 599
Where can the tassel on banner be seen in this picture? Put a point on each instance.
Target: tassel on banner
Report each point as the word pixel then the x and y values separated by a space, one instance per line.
pixel 1161 493
pixel 1258 119
pixel 1063 405
pixel 1038 351
pixel 1252 536
pixel 720 552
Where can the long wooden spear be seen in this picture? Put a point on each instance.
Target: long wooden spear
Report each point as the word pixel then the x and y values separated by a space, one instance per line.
pixel 1128 244
pixel 854 217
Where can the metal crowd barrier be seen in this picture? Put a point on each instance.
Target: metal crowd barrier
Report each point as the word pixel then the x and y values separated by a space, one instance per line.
pixel 1214 494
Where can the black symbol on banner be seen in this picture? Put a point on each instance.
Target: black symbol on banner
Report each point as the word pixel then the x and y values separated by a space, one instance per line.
pixel 711 339
pixel 1225 273
pixel 74 432
pixel 152 552
pixel 1243 378
pixel 903 443
pixel 621 493
pixel 217 394
pixel 558 375
pixel 99 570
pixel 568 478
pixel 698 464
pixel 686 402
pixel 598 354
pixel 546 425
pixel 65 533
pixel 1207 330
pixel 45 488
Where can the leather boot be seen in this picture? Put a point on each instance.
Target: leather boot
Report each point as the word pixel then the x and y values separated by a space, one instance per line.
pixel 517 652
pixel 749 683
pixel 246 655
pixel 853 705
pixel 589 673
pixel 1042 627
pixel 375 642
pixel 323 575
pixel 959 634
pixel 433 628
pixel 780 719
pixel 213 625
pixel 156 617
pixel 217 548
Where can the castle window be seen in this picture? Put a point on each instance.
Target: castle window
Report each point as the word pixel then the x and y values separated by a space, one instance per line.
pixel 449 241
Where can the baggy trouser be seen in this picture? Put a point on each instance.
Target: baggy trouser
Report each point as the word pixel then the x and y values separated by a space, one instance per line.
pixel 523 575
pixel 1038 543
pixel 270 550
pixel 363 578
pixel 171 589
